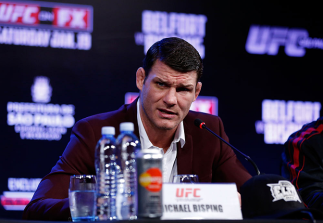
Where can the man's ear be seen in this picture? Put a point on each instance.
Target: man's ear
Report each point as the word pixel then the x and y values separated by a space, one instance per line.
pixel 198 89
pixel 140 78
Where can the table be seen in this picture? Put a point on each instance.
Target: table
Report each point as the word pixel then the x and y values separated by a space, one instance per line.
pixel 171 221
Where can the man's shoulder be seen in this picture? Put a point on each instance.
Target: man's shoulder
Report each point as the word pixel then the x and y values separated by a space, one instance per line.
pixel 107 115
pixel 309 132
pixel 111 118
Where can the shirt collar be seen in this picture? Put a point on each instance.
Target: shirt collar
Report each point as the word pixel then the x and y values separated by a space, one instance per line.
pixel 145 142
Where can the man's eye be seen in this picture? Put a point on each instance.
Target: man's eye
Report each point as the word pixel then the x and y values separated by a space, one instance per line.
pixel 160 84
pixel 183 89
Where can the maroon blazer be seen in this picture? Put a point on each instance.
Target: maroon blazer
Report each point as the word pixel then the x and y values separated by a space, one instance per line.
pixel 202 154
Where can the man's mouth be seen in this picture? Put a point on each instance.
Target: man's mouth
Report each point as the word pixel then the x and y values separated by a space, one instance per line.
pixel 167 113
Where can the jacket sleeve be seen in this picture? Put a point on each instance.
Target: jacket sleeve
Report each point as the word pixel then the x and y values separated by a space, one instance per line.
pixel 303 165
pixel 50 201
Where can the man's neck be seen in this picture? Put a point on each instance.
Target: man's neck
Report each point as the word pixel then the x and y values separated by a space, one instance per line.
pixel 161 139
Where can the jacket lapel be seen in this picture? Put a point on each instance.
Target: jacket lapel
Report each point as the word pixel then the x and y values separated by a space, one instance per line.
pixel 185 156
pixel 132 116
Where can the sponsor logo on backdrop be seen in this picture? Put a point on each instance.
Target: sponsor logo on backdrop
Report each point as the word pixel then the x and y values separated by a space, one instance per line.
pixel 39 120
pixel 157 25
pixel 282 118
pixel 206 104
pixel 41 91
pixel 21 190
pixel 45 24
pixel 268 40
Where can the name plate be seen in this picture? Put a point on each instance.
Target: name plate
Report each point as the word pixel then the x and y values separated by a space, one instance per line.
pixel 201 201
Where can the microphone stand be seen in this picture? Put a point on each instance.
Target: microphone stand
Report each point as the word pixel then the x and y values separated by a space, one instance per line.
pixel 201 124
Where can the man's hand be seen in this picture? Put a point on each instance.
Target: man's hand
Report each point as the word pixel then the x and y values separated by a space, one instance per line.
pixel 239 197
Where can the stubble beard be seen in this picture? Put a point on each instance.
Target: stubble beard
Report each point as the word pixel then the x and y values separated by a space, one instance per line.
pixel 154 124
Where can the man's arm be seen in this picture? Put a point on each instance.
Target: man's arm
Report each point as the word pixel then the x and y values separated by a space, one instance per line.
pixel 50 201
pixel 303 165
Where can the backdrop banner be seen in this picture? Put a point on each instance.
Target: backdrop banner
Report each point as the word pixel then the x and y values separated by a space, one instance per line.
pixel 62 61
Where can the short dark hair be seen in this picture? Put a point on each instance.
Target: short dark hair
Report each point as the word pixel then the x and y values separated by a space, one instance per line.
pixel 175 53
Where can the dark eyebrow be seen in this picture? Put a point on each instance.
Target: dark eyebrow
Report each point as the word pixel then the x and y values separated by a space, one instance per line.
pixel 185 86
pixel 157 79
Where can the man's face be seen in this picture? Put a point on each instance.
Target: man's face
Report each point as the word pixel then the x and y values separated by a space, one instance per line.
pixel 166 96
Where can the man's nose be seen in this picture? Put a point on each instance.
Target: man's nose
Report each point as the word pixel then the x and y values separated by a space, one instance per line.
pixel 170 97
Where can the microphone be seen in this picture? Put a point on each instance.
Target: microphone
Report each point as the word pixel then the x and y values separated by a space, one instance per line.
pixel 199 123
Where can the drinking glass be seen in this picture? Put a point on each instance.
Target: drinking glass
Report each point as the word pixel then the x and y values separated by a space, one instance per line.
pixel 82 197
pixel 186 178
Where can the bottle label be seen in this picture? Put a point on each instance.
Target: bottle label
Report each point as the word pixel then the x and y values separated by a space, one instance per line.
pixel 151 180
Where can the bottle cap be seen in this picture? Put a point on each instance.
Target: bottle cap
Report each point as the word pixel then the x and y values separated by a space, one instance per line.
pixel 108 130
pixel 126 126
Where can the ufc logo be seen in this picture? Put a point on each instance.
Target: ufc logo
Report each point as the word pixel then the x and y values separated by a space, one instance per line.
pixel 72 18
pixel 14 13
pixel 185 192
pixel 267 40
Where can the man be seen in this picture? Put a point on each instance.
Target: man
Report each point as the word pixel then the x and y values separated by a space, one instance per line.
pixel 168 84
pixel 303 162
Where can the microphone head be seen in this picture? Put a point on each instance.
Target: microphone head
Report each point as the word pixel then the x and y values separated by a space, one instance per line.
pixel 199 123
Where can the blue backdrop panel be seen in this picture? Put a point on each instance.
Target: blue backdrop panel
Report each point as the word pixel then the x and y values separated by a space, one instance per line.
pixel 80 57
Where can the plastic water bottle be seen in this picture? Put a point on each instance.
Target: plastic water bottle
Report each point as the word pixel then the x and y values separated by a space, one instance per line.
pixel 128 144
pixel 106 172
